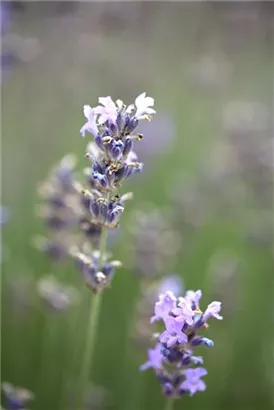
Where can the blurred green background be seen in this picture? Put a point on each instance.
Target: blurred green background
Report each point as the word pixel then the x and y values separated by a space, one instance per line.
pixel 209 67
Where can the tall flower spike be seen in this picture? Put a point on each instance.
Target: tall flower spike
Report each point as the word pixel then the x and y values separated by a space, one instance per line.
pixel 172 359
pixel 112 161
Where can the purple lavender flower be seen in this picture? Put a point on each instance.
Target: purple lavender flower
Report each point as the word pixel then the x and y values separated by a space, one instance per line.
pixel 173 355
pixel 107 111
pixel 173 333
pixel 193 382
pixel 167 302
pixel 143 104
pixel 184 311
pixel 155 358
pixel 161 137
pixel 194 297
pixel 172 283
pixel 213 310
pixel 90 125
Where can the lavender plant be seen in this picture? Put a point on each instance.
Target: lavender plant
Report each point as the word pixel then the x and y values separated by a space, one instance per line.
pixel 113 126
pixel 177 369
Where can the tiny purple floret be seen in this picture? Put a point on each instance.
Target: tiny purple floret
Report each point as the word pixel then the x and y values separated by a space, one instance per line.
pixel 155 358
pixel 166 303
pixel 193 383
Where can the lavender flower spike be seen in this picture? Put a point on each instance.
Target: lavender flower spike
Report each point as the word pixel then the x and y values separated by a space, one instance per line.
pixel 167 302
pixel 90 125
pixel 173 358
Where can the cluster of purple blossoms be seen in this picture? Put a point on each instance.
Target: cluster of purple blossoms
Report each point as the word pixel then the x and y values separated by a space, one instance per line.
pixel 113 126
pixel 172 358
pixel 148 296
pixel 76 213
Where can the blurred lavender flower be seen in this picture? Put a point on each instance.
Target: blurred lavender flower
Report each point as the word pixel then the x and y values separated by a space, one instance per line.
pixel 258 228
pixel 16 397
pixel 162 135
pixel 14 48
pixel 154 243
pixel 57 296
pixel 244 119
pixel 4 215
pixel 173 356
pixel 20 293
pixel 4 219
pixel 212 72
pixel 224 275
pixel 248 126
pixel 97 398
pixel 60 210
pixel 4 16
pixel 94 276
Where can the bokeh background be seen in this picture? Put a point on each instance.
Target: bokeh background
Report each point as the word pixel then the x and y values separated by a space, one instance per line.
pixel 207 181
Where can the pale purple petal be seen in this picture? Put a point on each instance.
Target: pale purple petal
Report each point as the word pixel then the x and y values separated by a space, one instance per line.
pixel 107 111
pixel 213 310
pixel 90 125
pixel 167 302
pixel 192 381
pixel 184 311
pixel 143 105
pixel 155 358
pixel 194 297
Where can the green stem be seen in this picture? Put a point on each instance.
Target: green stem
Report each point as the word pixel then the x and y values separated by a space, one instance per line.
pixel 92 324
pixel 169 404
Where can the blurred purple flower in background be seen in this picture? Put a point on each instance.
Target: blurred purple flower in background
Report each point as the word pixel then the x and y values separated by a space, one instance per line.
pixel 4 219
pixel 161 136
pixel 16 398
pixel 225 279
pixel 212 72
pixel 4 215
pixel 154 242
pixel 5 16
pixel 56 296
